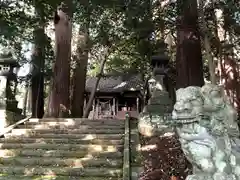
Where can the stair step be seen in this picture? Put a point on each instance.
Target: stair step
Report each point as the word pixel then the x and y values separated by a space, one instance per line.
pixel 70 136
pixel 58 153
pixel 62 149
pixel 37 170
pixel 81 121
pixel 61 162
pixel 78 123
pixel 14 177
pixel 78 147
pixel 60 141
pixel 67 126
pixel 67 131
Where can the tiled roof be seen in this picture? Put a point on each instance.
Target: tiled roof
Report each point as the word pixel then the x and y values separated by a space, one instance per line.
pixel 116 83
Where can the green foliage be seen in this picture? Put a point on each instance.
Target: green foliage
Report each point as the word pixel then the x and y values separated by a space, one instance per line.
pixel 18 20
pixel 133 28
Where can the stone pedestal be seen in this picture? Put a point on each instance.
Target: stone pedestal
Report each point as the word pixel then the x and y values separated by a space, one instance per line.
pixel 158 109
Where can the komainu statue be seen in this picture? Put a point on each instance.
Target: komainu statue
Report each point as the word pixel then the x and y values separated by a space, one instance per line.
pixel 207 127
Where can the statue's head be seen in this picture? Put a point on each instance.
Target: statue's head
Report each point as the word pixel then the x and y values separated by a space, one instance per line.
pixel 217 104
pixel 189 103
pixel 214 97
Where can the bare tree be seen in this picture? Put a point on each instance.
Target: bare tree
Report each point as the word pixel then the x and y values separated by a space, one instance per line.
pixel 103 59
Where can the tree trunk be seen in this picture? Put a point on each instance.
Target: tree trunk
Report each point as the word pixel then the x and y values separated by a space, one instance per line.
pixel 80 72
pixel 188 57
pixel 92 95
pixel 37 81
pixel 37 85
pixel 25 98
pixel 29 102
pixel 204 32
pixel 218 35
pixel 61 76
pixel 79 81
pixel 48 103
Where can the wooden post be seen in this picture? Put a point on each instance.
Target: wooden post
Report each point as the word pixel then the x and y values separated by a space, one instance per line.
pixel 110 107
pixel 97 106
pixel 137 101
pixel 94 107
pixel 85 102
pixel 114 106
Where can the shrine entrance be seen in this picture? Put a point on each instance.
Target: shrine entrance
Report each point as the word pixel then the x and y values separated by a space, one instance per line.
pixel 116 95
pixel 105 107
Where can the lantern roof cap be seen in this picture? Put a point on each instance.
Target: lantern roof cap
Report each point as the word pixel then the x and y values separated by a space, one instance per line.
pixel 7 59
pixel 159 60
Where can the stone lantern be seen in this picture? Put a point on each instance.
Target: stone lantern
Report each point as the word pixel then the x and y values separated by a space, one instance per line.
pixel 159 106
pixel 159 62
pixel 8 85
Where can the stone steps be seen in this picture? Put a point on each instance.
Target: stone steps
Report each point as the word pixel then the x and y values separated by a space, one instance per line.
pixel 67 126
pixel 78 121
pixel 58 153
pixel 66 171
pixel 66 147
pixel 67 131
pixel 62 162
pixel 52 177
pixel 63 149
pixel 68 136
pixel 61 141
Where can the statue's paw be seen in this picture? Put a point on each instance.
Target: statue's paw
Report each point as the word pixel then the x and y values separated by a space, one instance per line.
pixel 224 176
pixel 191 177
pixel 237 171
pixel 199 177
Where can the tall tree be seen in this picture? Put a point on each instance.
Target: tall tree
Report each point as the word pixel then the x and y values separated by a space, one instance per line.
pixel 80 71
pixel 38 56
pixel 206 40
pixel 59 100
pixel 188 57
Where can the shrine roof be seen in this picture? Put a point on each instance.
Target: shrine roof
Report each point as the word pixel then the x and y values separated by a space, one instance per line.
pixel 116 83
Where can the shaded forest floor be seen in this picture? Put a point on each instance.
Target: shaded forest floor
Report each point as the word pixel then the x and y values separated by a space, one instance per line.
pixel 163 158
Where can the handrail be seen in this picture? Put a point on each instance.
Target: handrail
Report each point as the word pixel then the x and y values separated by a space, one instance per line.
pixel 11 127
pixel 126 154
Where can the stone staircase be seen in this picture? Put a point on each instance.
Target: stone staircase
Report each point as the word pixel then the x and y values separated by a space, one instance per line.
pixel 63 149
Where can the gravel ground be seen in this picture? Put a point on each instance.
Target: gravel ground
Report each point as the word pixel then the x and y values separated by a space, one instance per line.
pixel 162 158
